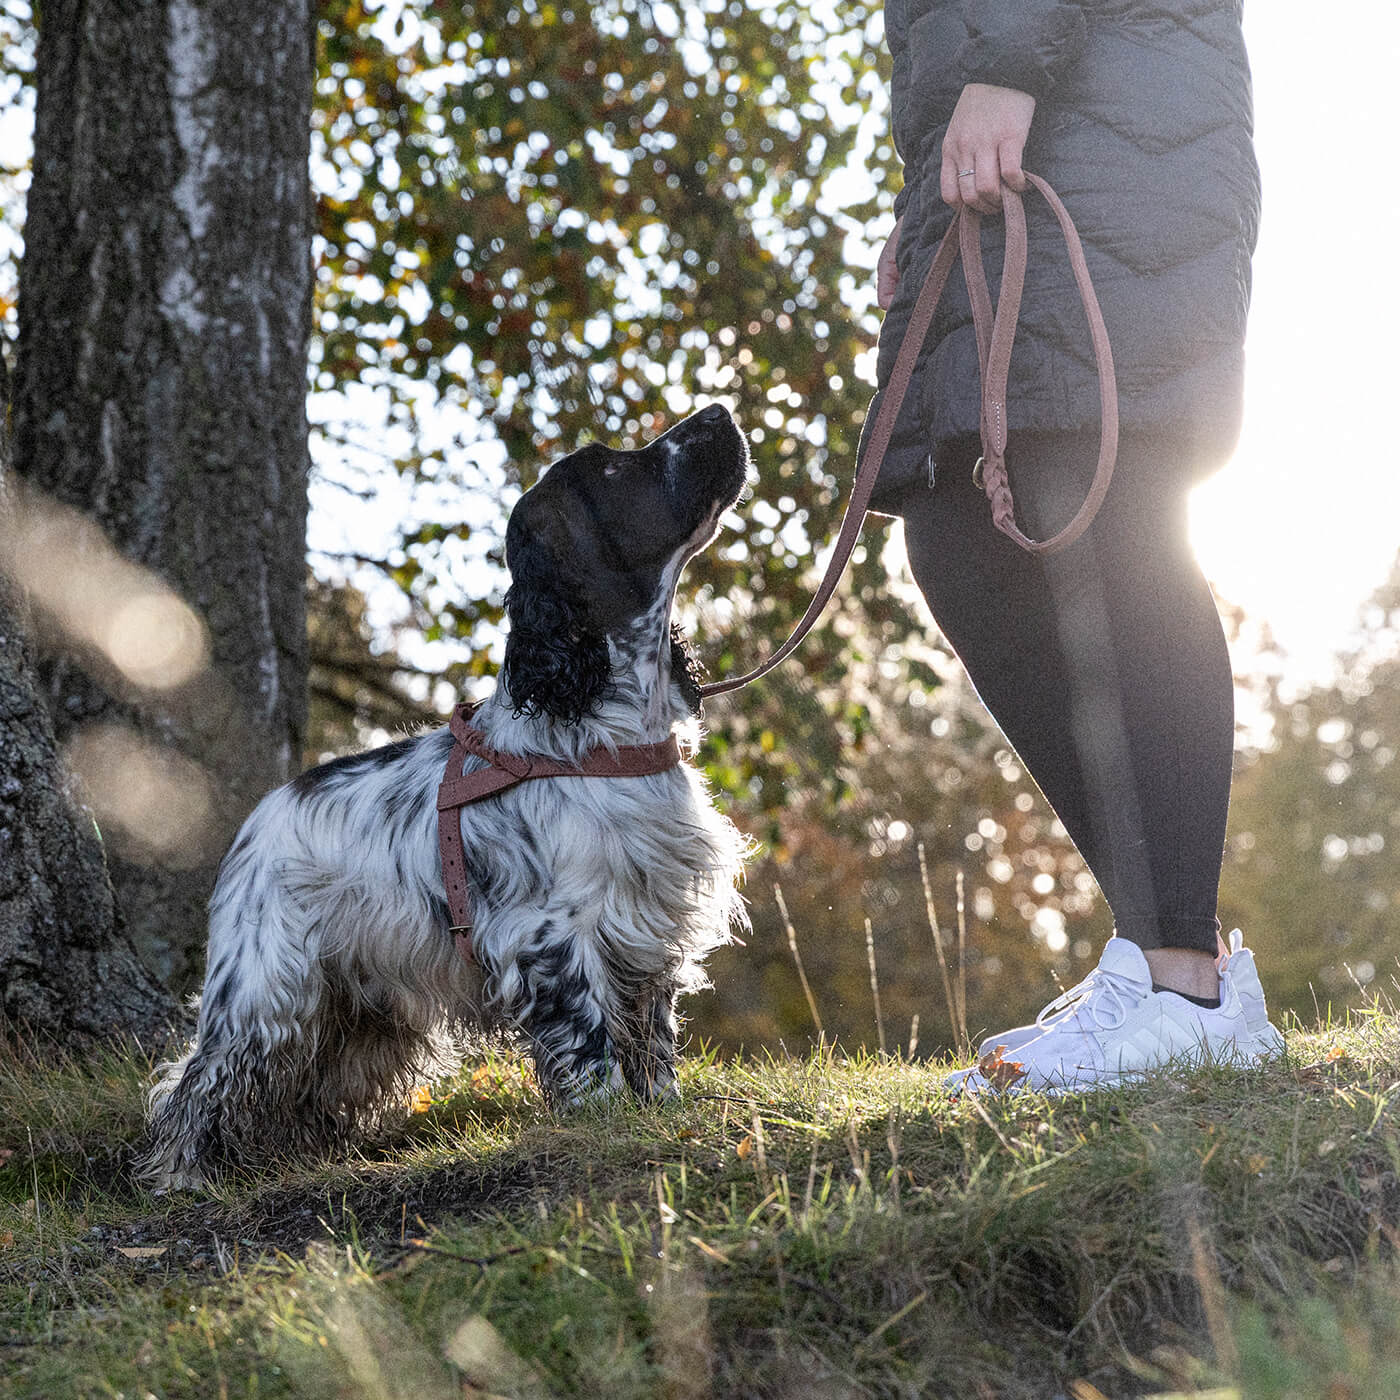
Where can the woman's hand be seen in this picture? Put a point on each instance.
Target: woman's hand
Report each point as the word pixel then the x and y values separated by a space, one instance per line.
pixel 886 270
pixel 983 146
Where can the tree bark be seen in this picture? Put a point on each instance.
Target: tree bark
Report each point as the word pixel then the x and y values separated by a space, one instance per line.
pixel 164 310
pixel 68 975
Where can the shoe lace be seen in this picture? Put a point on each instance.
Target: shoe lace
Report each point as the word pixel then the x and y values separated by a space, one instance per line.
pixel 1106 996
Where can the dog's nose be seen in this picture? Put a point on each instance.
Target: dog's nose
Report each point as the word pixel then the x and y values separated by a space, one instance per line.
pixel 712 413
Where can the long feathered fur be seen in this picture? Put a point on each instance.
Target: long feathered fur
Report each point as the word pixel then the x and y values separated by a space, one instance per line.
pixel 332 981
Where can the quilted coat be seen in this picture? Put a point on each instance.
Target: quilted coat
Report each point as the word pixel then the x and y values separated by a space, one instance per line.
pixel 1143 125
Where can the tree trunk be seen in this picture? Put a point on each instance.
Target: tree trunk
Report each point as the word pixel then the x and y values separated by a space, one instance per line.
pixel 68 975
pixel 164 309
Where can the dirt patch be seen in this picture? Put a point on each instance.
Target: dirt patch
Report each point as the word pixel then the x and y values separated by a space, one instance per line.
pixel 382 1213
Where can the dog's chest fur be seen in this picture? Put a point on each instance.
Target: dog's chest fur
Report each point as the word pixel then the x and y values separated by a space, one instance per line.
pixel 637 873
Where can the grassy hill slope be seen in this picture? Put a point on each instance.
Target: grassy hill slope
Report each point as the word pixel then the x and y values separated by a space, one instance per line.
pixel 834 1226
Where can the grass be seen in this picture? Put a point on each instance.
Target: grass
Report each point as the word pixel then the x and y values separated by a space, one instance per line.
pixel 830 1226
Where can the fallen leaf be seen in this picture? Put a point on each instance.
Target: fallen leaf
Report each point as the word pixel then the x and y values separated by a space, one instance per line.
pixel 1337 1053
pixel 998 1072
pixel 421 1099
pixel 745 1146
pixel 1325 1149
pixel 7 1239
pixel 1334 1266
pixel 141 1251
pixel 1257 1163
pixel 1084 1390
pixel 483 1079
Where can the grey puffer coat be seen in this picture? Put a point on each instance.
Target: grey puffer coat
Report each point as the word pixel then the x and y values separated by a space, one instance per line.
pixel 1143 125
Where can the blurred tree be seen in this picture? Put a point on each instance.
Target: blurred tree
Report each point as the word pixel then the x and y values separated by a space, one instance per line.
pixel 361 691
pixel 164 310
pixel 542 223
pixel 1311 871
pixel 68 975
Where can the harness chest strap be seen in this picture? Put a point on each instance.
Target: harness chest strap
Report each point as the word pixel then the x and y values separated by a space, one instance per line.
pixel 503 771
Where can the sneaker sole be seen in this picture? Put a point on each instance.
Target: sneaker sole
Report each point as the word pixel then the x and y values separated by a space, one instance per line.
pixel 1263 1046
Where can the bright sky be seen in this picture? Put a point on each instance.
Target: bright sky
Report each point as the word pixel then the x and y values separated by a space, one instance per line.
pixel 1305 521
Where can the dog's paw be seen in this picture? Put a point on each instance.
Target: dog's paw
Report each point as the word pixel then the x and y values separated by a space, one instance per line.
pixel 591 1086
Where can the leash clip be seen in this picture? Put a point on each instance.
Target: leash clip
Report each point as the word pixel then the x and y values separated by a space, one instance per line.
pixel 978 480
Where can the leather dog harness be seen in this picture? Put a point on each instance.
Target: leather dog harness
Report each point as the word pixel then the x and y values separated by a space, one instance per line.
pixel 996 333
pixel 502 771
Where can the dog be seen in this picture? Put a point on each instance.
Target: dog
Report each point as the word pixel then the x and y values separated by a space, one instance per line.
pixel 332 982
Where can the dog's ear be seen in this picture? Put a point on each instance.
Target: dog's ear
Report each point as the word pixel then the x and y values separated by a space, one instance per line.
pixel 556 660
pixel 685 670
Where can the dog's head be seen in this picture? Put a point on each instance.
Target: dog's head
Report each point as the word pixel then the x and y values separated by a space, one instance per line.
pixel 598 544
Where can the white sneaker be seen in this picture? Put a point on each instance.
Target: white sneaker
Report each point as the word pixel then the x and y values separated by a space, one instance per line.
pixel 1112 1028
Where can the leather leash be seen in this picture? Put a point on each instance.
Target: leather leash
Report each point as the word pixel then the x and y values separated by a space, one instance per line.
pixel 503 771
pixel 996 334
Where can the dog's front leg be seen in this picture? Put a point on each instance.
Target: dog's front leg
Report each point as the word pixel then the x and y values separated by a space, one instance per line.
pixel 566 1015
pixel 649 1048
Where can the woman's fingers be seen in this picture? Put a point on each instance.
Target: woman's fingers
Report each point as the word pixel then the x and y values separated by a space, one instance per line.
pixel 986 182
pixel 1009 159
pixel 982 146
pixel 948 179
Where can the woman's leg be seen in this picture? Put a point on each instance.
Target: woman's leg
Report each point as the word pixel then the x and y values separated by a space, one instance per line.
pixel 1105 667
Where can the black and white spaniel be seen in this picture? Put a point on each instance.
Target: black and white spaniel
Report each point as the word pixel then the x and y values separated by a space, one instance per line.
pixel 333 983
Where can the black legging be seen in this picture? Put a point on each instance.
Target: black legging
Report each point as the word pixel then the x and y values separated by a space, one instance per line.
pixel 1105 665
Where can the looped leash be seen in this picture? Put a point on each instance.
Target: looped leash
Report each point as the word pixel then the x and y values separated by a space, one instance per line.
pixel 502 771
pixel 996 334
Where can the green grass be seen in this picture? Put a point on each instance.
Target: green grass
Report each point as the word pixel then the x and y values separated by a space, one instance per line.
pixel 834 1226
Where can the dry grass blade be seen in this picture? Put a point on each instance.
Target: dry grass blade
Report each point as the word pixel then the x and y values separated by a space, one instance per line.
pixel 875 984
pixel 964 1040
pixel 1212 1292
pixel 948 994
pixel 797 959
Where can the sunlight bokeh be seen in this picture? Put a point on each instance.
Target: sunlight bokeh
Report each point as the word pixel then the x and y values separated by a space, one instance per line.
pixel 1304 523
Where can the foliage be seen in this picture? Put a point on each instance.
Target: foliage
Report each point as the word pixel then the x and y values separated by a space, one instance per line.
pixel 829 1225
pixel 1316 823
pixel 541 224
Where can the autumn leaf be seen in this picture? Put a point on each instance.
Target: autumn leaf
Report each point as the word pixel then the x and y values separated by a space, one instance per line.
pixel 141 1251
pixel 1000 1073
pixel 745 1147
pixel 421 1099
pixel 1084 1390
pixel 1337 1054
